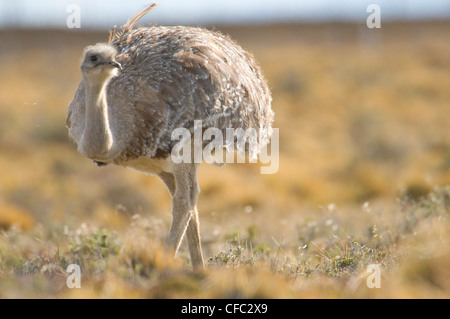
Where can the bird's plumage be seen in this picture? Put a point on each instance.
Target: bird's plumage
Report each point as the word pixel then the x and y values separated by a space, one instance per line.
pixel 172 76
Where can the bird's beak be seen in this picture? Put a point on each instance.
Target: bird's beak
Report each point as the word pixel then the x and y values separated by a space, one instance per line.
pixel 114 64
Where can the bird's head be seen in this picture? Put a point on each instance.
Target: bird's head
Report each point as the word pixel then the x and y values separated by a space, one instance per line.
pixel 99 62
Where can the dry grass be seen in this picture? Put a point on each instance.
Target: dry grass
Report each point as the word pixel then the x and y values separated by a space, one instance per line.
pixel 364 143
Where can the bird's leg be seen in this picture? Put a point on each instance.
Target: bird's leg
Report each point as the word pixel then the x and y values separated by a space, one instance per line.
pixel 180 208
pixel 183 186
pixel 193 237
pixel 169 180
pixel 193 230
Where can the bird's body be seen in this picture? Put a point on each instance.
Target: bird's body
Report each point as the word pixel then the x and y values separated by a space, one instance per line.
pixel 169 78
pixel 172 76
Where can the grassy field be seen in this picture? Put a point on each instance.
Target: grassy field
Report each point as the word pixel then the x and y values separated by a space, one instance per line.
pixel 363 179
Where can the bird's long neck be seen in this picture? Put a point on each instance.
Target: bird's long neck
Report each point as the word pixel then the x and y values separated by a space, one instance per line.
pixel 97 140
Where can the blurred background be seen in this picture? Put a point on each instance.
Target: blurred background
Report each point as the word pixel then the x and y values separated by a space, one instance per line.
pixel 102 13
pixel 363 114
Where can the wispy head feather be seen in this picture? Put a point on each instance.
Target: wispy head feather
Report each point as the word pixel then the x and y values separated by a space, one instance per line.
pixel 115 34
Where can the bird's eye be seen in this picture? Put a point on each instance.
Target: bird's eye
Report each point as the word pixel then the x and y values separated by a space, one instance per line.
pixel 93 58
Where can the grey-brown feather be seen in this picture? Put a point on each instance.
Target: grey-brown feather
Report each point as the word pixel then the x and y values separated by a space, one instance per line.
pixel 172 76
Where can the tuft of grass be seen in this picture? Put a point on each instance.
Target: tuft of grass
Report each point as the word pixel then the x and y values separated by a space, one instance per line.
pixel 435 204
pixel 90 248
pixel 350 257
pixel 233 257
